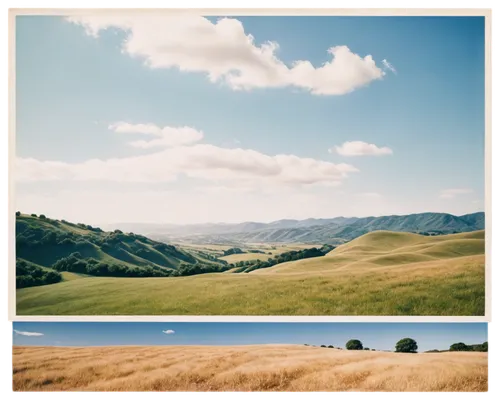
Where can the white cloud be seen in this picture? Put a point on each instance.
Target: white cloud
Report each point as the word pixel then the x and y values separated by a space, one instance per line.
pixel 224 52
pixel 452 193
pixel 169 332
pixel 28 333
pixel 359 148
pixel 372 195
pixel 164 137
pixel 389 66
pixel 202 161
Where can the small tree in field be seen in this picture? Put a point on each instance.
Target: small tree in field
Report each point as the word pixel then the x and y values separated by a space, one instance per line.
pixel 354 344
pixel 406 345
pixel 42 216
pixel 18 213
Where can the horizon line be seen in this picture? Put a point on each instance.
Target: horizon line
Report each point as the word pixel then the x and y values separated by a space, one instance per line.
pixel 273 221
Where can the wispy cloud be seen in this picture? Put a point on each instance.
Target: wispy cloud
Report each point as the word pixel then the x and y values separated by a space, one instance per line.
pixel 22 333
pixel 452 193
pixel 169 332
pixel 359 148
pixel 176 155
pixel 373 195
pixel 389 66
pixel 163 137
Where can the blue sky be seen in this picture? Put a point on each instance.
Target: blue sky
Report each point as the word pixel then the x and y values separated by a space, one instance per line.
pixel 382 336
pixel 94 97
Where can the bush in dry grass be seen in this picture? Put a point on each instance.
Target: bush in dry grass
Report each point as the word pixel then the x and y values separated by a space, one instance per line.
pixel 354 344
pixel 406 345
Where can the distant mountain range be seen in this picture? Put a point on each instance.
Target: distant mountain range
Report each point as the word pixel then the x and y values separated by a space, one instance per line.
pixel 312 230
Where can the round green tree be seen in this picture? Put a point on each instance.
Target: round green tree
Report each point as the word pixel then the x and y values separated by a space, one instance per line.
pixel 459 347
pixel 354 344
pixel 406 345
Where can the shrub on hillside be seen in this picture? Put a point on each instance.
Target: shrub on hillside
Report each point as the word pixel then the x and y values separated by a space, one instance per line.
pixel 42 216
pixel 28 275
pixel 18 213
pixel 354 344
pixel 406 345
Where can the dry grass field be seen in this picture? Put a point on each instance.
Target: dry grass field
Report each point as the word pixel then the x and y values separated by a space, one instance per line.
pixel 243 368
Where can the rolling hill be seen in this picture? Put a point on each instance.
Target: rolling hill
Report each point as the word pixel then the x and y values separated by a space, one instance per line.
pixel 380 273
pixel 65 246
pixel 332 231
pixel 388 249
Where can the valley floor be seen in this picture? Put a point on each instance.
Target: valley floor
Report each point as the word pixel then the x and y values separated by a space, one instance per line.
pixel 243 368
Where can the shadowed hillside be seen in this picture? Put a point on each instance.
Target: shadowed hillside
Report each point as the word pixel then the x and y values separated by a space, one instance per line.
pixel 80 248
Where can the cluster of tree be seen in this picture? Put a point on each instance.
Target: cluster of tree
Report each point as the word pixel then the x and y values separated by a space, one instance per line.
pixel 252 265
pixel 233 250
pixel 409 345
pixel 464 347
pixel 28 275
pixel 436 233
pixel 90 266
pixel 406 345
pixel 326 248
pixel 199 268
pixel 257 251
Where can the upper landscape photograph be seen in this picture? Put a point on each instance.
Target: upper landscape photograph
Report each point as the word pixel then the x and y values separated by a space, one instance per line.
pixel 249 165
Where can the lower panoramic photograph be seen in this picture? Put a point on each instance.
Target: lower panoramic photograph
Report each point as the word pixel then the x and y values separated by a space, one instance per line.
pixel 249 356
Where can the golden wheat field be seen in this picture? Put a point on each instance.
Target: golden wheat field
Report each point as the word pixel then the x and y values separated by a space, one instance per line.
pixel 243 368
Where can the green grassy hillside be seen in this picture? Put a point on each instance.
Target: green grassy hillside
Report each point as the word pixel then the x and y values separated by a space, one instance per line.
pixel 86 249
pixel 377 274
pixel 387 249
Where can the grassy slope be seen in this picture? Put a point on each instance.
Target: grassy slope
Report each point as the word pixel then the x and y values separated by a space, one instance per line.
pixel 360 278
pixel 243 368
pixel 125 253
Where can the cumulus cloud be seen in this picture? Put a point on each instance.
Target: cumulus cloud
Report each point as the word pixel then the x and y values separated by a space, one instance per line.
pixel 203 161
pixel 22 333
pixel 169 332
pixel 452 193
pixel 389 66
pixel 225 52
pixel 359 148
pixel 163 137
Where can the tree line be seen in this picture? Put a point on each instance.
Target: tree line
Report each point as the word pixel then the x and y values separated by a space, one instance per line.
pixel 409 345
pixel 294 255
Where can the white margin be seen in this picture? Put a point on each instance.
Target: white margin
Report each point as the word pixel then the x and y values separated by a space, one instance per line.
pixel 12 12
